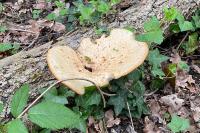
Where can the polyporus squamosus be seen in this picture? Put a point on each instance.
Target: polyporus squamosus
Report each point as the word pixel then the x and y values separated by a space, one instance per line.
pixel 108 58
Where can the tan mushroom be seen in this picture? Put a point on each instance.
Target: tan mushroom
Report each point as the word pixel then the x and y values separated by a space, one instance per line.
pixel 108 58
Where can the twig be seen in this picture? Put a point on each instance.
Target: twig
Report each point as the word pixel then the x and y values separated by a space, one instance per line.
pixel 31 44
pixel 22 30
pixel 130 114
pixel 101 92
pixel 182 41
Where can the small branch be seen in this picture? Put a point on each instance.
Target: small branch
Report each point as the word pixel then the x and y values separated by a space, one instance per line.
pixel 130 114
pixel 22 30
pixel 38 98
pixel 182 41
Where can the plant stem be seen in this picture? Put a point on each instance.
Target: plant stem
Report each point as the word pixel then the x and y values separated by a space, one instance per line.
pixel 38 98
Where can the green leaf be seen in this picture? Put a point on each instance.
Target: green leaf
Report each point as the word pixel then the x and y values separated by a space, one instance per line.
pixel 135 75
pixel 152 25
pixel 86 12
pixel 153 32
pixel 52 95
pixel 36 14
pixel 19 100
pixel 173 68
pixel 63 12
pixel 174 28
pixel 156 84
pixel 155 59
pixel 171 13
pixel 1 107
pixel 45 131
pixel 152 36
pixel 192 43
pixel 183 65
pixel 51 16
pixel 178 124
pixel 114 2
pixel 88 99
pixel 53 116
pixel 16 126
pixel 186 25
pixel 5 47
pixel 103 7
pixel 3 29
pixel 196 20
pixel 59 4
pixel 118 102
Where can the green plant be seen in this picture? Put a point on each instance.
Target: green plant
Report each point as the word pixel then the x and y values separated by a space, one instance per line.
pixel 11 47
pixel 3 29
pixel 178 124
pixel 50 113
pixel 36 14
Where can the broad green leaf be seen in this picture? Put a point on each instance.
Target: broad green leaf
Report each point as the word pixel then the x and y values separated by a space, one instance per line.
pixel 16 126
pixel 103 7
pixel 86 12
pixel 186 25
pixel 178 124
pixel 19 100
pixel 88 99
pixel 114 2
pixel 118 102
pixel 59 4
pixel 173 68
pixel 135 75
pixel 152 25
pixel 152 36
pixel 51 16
pixel 183 65
pixel 192 43
pixel 196 20
pixel 174 28
pixel 155 59
pixel 52 95
pixel 5 47
pixel 45 131
pixel 3 29
pixel 1 107
pixel 63 12
pixel 171 13
pixel 156 84
pixel 81 125
pixel 53 116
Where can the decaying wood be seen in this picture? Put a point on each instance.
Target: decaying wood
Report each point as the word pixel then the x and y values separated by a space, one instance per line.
pixel 30 66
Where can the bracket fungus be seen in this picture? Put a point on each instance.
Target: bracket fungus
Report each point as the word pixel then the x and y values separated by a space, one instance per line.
pixel 101 61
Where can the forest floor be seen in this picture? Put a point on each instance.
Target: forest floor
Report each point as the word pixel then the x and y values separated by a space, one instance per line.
pixel 172 106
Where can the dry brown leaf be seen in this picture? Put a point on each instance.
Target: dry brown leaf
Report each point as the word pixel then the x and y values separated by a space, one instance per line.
pixel 59 27
pixel 110 120
pixel 172 101
pixel 196 68
pixel 195 107
pixel 40 4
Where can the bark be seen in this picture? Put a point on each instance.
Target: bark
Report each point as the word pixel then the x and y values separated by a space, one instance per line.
pixel 31 67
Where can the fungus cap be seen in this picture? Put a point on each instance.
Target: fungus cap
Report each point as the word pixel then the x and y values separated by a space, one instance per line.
pixel 101 61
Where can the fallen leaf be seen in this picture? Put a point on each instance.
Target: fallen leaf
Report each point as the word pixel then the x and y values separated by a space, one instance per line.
pixel 172 101
pixel 59 27
pixel 110 120
pixel 196 68
pixel 40 4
